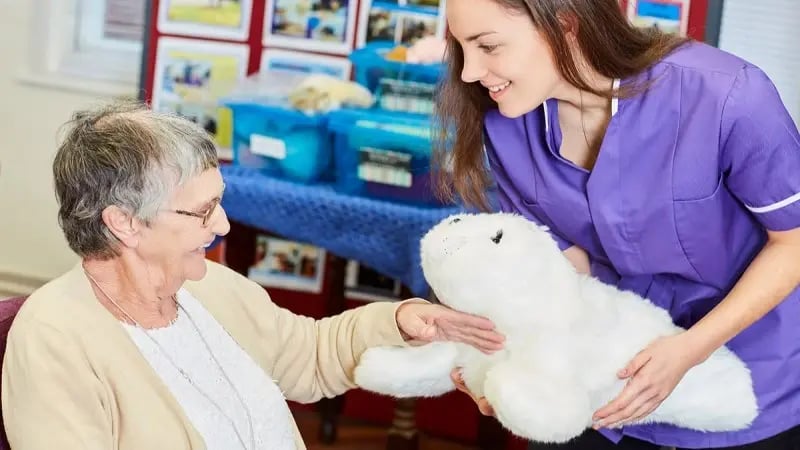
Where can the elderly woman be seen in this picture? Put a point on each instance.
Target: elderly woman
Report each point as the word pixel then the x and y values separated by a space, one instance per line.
pixel 147 345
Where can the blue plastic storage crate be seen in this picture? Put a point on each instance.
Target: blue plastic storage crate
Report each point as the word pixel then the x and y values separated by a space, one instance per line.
pixel 397 85
pixel 383 155
pixel 280 141
pixel 272 136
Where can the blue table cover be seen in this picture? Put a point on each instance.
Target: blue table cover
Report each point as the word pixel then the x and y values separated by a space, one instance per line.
pixel 380 234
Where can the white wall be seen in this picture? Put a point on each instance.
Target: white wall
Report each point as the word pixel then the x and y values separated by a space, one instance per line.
pixel 32 249
pixel 767 33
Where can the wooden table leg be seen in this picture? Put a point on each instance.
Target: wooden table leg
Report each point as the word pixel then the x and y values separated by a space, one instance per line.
pixel 403 432
pixel 491 435
pixel 330 408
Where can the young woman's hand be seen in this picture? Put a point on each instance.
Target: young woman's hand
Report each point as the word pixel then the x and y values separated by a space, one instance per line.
pixel 652 375
pixel 579 258
pixel 483 406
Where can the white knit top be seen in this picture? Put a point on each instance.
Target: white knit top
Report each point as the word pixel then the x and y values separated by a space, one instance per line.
pixel 185 347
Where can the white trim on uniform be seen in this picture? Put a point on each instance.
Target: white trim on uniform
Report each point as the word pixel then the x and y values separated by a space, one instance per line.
pixel 546 116
pixel 615 100
pixel 775 206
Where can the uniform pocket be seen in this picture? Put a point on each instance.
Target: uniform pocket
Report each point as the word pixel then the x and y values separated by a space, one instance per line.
pixel 713 231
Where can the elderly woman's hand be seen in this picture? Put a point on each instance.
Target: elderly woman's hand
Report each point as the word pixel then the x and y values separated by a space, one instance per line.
pixel 426 322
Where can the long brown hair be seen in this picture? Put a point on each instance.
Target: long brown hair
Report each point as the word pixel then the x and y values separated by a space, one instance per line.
pixel 609 44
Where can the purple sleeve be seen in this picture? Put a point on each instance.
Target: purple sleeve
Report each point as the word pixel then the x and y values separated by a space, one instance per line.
pixel 761 151
pixel 503 185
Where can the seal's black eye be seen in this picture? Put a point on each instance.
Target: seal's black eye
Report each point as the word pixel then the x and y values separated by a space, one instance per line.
pixel 497 237
pixel 456 220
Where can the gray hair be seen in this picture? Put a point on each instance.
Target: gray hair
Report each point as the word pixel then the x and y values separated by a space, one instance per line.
pixel 127 155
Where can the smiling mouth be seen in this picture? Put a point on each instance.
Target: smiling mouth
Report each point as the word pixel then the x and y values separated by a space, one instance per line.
pixel 203 247
pixel 498 88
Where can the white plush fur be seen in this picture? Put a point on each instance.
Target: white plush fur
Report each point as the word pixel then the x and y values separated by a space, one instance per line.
pixel 567 336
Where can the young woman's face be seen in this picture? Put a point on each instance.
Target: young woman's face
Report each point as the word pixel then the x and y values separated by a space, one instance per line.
pixel 505 53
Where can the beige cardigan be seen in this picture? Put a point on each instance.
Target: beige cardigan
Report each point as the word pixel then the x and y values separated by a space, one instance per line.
pixel 73 379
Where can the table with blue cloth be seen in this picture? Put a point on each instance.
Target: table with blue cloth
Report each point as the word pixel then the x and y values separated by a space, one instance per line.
pixel 382 235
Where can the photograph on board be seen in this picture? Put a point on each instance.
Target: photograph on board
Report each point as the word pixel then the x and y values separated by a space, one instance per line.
pixel 671 16
pixel 287 264
pixel 314 25
pixel 399 21
pixel 367 284
pixel 221 19
pixel 191 76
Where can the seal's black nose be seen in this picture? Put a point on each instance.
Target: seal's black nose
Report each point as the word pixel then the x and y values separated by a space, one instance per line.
pixel 497 237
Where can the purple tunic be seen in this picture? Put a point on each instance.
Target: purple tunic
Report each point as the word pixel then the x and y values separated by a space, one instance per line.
pixel 689 176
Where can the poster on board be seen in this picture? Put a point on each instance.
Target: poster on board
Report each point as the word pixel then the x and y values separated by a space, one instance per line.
pixel 671 16
pixel 191 76
pixel 314 25
pixel 218 19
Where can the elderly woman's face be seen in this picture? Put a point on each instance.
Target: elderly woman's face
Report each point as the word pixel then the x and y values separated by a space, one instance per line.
pixel 176 241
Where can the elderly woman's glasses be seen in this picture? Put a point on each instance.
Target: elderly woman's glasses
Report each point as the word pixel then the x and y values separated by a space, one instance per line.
pixel 205 215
